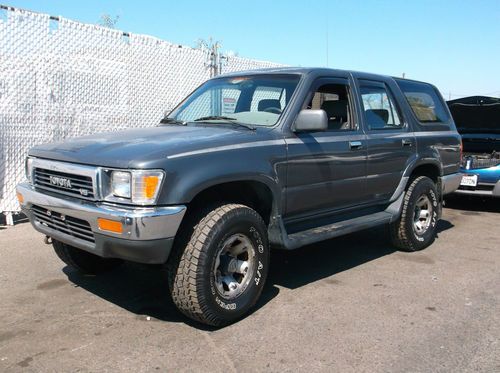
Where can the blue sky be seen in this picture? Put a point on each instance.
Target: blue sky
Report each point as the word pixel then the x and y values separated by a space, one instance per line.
pixel 453 44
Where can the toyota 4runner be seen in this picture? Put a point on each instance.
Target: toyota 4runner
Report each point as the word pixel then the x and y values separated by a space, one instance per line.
pixel 271 158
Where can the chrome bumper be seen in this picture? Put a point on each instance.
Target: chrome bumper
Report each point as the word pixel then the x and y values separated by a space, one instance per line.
pixel 147 233
pixel 451 182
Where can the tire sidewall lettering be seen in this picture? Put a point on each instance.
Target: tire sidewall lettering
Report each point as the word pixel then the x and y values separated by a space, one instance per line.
pixel 435 206
pixel 258 238
pixel 224 305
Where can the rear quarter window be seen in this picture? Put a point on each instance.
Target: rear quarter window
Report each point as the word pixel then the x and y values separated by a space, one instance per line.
pixel 424 101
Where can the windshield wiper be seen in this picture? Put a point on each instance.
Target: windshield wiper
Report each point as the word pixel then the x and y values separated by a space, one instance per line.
pixel 214 117
pixel 225 119
pixel 168 120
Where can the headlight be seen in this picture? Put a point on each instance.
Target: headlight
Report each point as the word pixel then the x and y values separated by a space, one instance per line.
pixel 29 169
pixel 140 187
pixel 120 184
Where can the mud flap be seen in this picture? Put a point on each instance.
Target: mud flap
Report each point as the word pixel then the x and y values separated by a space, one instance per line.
pixel 440 197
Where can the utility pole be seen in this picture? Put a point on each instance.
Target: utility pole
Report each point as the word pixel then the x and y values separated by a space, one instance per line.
pixel 214 63
pixel 214 58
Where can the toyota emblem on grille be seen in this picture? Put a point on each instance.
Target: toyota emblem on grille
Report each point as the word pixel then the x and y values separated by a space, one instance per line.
pixel 60 182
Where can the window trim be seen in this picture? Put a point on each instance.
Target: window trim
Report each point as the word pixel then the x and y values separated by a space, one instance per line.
pixel 380 84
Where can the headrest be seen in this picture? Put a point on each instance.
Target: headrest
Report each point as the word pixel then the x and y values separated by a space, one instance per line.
pixel 382 113
pixel 269 103
pixel 377 118
pixel 337 108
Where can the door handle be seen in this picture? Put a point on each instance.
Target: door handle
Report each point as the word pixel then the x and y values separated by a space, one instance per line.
pixel 406 142
pixel 355 144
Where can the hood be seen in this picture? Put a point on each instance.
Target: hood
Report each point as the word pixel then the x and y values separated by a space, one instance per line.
pixel 144 147
pixel 476 114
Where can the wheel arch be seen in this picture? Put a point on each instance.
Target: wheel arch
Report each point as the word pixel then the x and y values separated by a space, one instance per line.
pixel 430 168
pixel 254 193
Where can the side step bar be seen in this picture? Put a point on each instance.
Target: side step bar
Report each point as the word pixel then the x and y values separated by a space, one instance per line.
pixel 326 232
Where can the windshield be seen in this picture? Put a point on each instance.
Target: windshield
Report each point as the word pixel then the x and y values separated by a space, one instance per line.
pixel 256 100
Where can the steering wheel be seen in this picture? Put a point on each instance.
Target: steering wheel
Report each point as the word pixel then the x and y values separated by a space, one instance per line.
pixel 273 110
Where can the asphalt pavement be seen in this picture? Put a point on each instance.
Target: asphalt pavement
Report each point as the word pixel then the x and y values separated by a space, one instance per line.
pixel 351 304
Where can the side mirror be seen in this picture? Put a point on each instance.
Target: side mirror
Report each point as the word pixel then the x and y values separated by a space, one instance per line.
pixel 311 120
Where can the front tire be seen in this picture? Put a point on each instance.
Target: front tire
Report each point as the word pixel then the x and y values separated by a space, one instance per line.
pixel 416 227
pixel 219 264
pixel 83 261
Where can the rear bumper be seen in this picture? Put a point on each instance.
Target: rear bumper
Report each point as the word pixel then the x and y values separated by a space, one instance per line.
pixel 451 182
pixel 147 234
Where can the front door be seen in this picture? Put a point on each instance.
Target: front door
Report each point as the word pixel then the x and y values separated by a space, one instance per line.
pixel 326 170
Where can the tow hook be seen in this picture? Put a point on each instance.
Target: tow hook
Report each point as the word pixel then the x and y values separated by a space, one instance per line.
pixel 47 240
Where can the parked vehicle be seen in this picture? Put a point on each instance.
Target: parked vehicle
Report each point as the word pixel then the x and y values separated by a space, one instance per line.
pixel 280 157
pixel 478 121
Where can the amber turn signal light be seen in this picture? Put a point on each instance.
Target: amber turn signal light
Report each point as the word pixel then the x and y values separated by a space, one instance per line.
pixel 20 198
pixel 110 225
pixel 150 185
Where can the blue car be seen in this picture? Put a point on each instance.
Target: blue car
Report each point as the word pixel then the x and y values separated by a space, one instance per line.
pixel 478 121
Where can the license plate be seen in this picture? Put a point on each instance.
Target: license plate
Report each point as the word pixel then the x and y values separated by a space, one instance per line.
pixel 469 180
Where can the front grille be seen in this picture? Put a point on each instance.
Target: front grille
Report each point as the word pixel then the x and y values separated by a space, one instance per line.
pixel 69 225
pixel 473 163
pixel 81 186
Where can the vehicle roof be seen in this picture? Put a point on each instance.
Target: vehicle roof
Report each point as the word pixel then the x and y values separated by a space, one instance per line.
pixel 309 70
pixel 292 70
pixel 475 100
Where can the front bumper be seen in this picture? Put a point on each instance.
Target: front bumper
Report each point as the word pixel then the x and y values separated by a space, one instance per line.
pixel 147 235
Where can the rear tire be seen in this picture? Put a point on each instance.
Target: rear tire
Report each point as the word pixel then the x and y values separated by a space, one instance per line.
pixel 415 229
pixel 83 261
pixel 219 264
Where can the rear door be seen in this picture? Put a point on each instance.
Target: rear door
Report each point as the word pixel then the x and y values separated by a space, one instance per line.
pixel 390 142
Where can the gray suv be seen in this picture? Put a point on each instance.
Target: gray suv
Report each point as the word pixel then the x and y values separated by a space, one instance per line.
pixel 271 158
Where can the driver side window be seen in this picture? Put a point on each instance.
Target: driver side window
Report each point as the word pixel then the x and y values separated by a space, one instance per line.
pixel 335 101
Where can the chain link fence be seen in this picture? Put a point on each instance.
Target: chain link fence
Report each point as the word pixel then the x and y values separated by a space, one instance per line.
pixel 60 79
